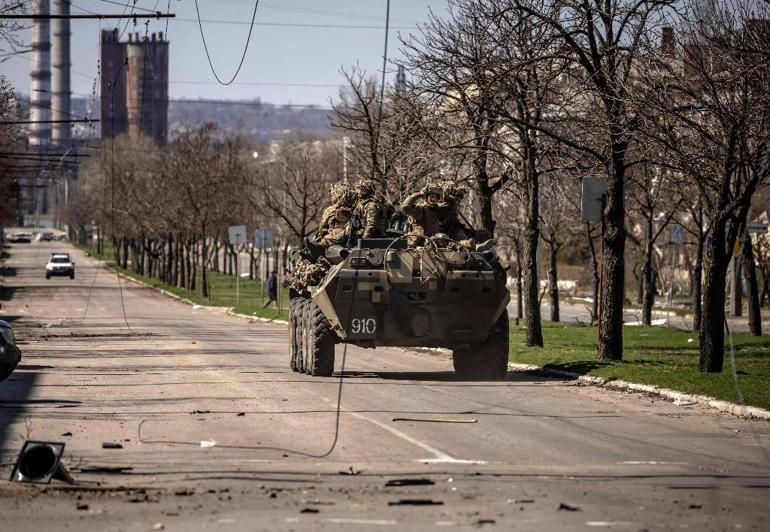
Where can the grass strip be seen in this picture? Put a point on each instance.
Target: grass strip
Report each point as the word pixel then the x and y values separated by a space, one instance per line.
pixel 653 355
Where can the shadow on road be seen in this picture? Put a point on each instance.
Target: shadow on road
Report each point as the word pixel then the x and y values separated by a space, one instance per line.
pixel 14 393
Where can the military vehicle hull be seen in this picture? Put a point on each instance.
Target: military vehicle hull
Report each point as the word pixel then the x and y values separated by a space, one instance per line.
pixel 424 297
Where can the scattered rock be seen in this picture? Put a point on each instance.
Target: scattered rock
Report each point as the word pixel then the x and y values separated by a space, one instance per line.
pixel 111 445
pixel 67 434
pixel 158 526
pixel 81 506
pixel 309 511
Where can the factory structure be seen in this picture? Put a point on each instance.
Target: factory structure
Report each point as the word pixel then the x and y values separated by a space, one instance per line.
pixel 134 101
pixel 134 86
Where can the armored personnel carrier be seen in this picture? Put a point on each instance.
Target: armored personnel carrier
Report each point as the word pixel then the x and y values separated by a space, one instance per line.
pixel 384 293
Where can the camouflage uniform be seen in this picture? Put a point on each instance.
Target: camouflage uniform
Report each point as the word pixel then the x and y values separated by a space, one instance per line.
pixel 425 219
pixel 370 211
pixel 336 217
pixel 307 273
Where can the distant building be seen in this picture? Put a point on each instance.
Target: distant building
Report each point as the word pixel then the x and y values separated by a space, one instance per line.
pixel 134 77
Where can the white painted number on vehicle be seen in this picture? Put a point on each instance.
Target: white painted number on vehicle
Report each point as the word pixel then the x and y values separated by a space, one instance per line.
pixel 363 325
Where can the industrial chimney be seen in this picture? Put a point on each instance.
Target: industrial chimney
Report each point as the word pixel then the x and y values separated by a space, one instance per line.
pixel 60 103
pixel 40 86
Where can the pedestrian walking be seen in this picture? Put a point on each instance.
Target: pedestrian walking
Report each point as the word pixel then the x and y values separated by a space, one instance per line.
pixel 272 289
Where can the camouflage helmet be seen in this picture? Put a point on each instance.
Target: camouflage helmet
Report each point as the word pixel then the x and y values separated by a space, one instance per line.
pixel 365 187
pixel 341 194
pixel 434 187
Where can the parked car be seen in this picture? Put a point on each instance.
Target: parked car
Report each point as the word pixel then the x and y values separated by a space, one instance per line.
pixel 10 355
pixel 46 236
pixel 20 238
pixel 60 264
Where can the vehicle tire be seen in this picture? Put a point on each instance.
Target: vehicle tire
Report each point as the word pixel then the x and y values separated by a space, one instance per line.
pixel 295 338
pixel 487 360
pixel 47 276
pixel 72 275
pixel 320 340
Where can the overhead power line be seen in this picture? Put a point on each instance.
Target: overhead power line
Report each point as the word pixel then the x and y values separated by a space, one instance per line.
pixel 245 48
pixel 75 121
pixel 97 16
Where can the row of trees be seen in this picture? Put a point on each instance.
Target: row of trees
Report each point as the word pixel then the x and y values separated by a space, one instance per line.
pixel 519 99
pixel 667 100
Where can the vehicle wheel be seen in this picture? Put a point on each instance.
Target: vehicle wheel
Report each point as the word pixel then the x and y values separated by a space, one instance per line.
pixel 295 339
pixel 320 340
pixel 47 276
pixel 487 360
pixel 72 275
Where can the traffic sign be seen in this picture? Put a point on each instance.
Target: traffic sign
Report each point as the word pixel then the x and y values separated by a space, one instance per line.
pixel 264 238
pixel 594 190
pixel 237 234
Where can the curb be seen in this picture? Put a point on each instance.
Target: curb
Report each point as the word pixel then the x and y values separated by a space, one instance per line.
pixel 255 319
pixel 680 398
pixel 230 311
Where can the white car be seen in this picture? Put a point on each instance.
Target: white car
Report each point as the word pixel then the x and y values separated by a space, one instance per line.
pixel 60 264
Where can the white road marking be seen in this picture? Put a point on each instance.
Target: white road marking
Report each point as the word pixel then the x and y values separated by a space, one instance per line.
pixel 344 521
pixel 439 457
pixel 608 523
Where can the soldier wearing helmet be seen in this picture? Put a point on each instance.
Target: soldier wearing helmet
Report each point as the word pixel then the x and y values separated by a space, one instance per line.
pixel 336 217
pixel 429 213
pixel 370 212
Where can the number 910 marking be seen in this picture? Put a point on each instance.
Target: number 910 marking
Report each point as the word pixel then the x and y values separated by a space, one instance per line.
pixel 363 325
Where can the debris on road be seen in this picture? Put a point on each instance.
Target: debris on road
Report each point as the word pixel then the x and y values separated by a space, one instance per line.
pixel 350 471
pixel 435 420
pixel 207 443
pixel 111 445
pixel 67 434
pixel 309 511
pixel 568 508
pixel 106 469
pixel 409 482
pixel 81 506
pixel 158 526
pixel 415 502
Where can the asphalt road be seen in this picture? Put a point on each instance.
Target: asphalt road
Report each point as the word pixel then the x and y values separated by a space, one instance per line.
pixel 165 377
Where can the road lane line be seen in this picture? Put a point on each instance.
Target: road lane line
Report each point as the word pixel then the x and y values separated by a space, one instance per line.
pixel 439 457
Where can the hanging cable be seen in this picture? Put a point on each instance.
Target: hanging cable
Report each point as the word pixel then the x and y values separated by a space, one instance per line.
pixel 245 48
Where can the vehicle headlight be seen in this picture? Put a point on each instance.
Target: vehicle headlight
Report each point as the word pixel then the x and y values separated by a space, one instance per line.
pixel 8 336
pixel 49 266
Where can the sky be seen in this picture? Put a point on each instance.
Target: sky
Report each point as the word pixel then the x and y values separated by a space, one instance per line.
pixel 294 56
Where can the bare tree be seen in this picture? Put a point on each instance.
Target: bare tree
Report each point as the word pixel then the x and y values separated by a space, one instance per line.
pixel 715 113
pixel 606 41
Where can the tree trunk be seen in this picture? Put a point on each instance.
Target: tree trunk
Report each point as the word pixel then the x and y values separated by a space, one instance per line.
pixel 750 271
pixel 485 192
pixel 534 332
pixel 697 287
pixel 613 266
pixel 203 258
pixel 553 282
pixel 648 278
pixel 712 333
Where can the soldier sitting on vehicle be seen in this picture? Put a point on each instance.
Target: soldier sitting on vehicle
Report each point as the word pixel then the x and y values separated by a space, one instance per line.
pixel 371 214
pixel 336 217
pixel 435 211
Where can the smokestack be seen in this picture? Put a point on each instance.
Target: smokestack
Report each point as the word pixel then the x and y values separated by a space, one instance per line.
pixel 400 80
pixel 667 44
pixel 40 85
pixel 60 103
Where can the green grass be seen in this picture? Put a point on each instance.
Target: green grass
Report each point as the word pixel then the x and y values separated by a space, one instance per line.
pixel 221 291
pixel 653 355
